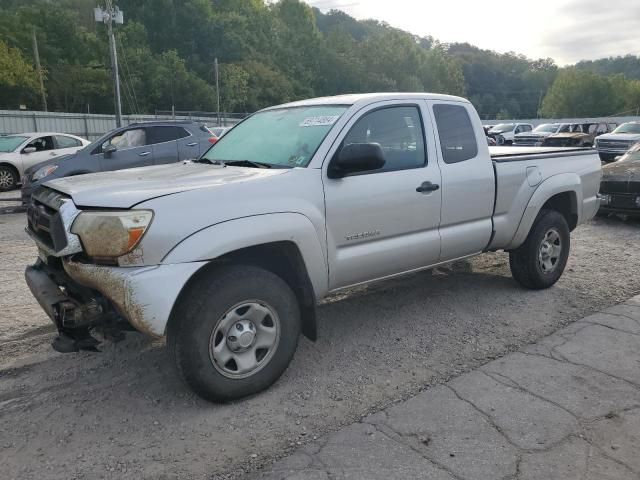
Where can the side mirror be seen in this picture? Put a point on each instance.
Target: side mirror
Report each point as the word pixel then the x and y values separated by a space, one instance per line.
pixel 28 149
pixel 356 157
pixel 109 149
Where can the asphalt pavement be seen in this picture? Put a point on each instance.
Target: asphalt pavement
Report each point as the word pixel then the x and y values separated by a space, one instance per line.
pixel 567 407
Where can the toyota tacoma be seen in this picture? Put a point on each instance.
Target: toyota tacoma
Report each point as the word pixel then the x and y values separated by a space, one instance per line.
pixel 228 255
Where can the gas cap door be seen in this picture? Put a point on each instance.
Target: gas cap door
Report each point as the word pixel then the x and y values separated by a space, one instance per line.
pixel 534 177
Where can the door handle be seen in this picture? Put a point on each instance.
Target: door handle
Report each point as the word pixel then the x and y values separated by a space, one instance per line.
pixel 144 154
pixel 53 153
pixel 427 187
pixel 192 144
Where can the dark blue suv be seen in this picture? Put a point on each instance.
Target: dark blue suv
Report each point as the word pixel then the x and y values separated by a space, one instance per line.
pixel 136 145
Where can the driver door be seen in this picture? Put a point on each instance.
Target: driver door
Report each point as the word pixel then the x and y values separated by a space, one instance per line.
pixel 385 222
pixel 45 150
pixel 132 150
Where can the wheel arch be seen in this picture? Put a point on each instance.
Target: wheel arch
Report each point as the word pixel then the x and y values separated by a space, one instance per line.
pixel 285 244
pixel 561 193
pixel 281 258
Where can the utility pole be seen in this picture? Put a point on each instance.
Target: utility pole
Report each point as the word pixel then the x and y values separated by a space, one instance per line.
pixel 109 15
pixel 36 55
pixel 539 105
pixel 215 67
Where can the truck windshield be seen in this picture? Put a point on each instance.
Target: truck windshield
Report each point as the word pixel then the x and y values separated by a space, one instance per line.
pixel 503 127
pixel 10 143
pixel 280 138
pixel 546 128
pixel 628 128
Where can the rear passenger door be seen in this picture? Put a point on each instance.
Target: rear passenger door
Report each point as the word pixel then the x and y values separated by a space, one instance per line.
pixel 66 144
pixel 468 180
pixel 163 143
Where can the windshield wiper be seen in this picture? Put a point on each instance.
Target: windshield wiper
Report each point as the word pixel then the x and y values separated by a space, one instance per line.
pixel 247 163
pixel 211 162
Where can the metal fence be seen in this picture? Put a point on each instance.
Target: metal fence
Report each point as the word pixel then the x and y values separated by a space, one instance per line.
pixel 539 121
pixel 92 126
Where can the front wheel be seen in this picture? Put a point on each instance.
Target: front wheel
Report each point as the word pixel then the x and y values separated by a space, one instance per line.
pixel 8 178
pixel 539 262
pixel 234 333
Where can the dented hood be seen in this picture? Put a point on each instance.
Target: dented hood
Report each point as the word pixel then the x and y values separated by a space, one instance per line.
pixel 126 188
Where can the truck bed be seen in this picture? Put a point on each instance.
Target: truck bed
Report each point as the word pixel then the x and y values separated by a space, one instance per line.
pixel 519 172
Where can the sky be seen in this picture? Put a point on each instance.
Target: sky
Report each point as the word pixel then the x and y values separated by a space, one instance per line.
pixel 565 30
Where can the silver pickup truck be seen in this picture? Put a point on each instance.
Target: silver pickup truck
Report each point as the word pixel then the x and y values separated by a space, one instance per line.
pixel 227 256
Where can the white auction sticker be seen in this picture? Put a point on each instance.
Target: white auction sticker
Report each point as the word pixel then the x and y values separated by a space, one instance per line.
pixel 321 121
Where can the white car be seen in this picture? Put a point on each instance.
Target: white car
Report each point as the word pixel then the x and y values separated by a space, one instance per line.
pixel 23 150
pixel 505 133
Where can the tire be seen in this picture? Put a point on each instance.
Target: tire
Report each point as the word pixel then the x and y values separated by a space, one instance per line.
pixel 202 327
pixel 500 140
pixel 8 178
pixel 532 263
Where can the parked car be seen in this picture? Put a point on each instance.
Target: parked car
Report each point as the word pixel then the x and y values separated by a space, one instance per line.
pixel 136 145
pixel 227 256
pixel 535 137
pixel 620 186
pixel 504 133
pixel 20 151
pixel 486 128
pixel 581 135
pixel 618 142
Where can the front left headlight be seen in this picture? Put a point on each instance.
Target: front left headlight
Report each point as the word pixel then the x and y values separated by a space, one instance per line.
pixel 111 234
pixel 43 172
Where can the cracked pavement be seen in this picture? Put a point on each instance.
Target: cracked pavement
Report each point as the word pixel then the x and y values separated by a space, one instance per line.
pixel 566 407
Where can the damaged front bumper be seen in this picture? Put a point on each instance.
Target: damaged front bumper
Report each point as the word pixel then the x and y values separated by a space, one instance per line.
pixel 79 297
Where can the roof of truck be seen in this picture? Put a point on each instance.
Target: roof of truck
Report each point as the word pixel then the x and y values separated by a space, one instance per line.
pixel 351 99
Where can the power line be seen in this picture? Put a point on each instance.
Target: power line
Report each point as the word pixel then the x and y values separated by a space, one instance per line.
pixel 127 72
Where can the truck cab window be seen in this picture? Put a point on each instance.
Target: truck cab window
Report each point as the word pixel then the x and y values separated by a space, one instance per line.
pixel 398 130
pixel 457 138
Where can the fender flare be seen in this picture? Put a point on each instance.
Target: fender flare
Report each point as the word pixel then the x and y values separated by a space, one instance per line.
pixel 557 184
pixel 217 240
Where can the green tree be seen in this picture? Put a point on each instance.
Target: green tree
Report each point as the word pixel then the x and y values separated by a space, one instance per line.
pixel 577 93
pixel 18 79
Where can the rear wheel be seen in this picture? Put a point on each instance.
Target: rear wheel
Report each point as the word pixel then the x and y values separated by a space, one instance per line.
pixel 8 178
pixel 235 332
pixel 539 262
